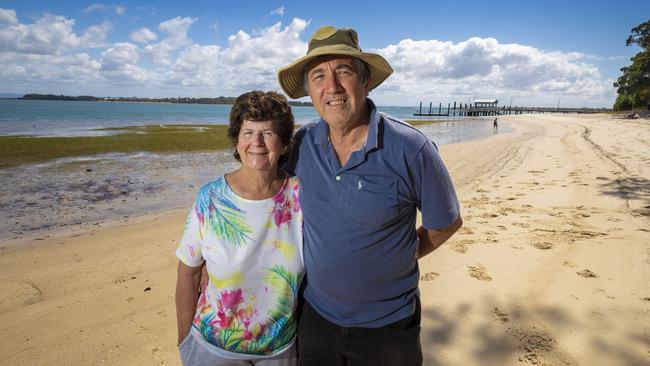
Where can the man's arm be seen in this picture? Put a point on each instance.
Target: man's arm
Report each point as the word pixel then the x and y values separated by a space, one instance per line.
pixel 430 240
pixel 187 295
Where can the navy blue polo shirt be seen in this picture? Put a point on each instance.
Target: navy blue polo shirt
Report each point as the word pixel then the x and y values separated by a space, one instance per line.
pixel 359 219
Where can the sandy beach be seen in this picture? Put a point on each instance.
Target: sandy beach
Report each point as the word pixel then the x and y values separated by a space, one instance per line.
pixel 552 266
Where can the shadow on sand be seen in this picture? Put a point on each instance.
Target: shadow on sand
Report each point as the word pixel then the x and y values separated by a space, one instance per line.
pixel 504 334
pixel 635 190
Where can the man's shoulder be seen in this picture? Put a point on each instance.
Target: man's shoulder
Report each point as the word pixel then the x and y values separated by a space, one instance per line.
pixel 306 129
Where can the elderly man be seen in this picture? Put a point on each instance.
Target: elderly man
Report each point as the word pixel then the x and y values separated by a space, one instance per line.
pixel 364 175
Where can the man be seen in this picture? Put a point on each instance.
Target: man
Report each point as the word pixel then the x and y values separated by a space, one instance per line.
pixel 363 175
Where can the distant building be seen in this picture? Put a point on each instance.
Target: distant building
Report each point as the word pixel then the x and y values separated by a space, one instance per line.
pixel 485 103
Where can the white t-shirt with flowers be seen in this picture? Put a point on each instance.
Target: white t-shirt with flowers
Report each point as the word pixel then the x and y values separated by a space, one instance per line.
pixel 253 255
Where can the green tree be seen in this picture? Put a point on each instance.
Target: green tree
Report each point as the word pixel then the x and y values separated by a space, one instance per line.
pixel 634 85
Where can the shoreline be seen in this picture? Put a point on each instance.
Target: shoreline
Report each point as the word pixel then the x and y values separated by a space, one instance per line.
pixel 549 268
pixel 77 194
pixel 17 150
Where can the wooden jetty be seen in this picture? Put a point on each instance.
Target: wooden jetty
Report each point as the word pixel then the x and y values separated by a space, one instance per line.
pixel 490 108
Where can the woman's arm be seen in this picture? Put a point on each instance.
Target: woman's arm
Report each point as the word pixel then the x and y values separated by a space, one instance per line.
pixel 187 295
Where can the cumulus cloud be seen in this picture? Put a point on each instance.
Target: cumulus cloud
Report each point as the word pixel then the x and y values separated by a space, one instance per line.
pixel 143 35
pixel 49 53
pixel 447 71
pixel 249 61
pixel 50 34
pixel 176 30
pixel 119 55
pixel 8 17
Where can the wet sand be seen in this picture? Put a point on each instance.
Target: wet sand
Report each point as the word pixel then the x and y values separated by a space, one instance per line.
pixel 73 195
pixel 551 267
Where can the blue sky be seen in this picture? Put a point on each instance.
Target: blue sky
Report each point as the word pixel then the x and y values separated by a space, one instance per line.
pixel 533 52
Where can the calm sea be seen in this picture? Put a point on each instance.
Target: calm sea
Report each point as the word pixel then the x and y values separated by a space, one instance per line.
pixel 73 118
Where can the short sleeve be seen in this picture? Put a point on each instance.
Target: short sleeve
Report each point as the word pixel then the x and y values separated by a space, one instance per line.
pixel 434 189
pixel 189 248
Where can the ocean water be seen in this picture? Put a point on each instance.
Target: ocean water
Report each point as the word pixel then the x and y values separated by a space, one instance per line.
pixel 74 118
pixel 80 193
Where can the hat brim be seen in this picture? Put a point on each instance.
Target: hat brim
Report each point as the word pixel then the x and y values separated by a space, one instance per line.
pixel 291 76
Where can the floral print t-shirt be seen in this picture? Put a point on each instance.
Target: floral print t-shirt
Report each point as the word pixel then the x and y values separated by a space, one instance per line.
pixel 253 255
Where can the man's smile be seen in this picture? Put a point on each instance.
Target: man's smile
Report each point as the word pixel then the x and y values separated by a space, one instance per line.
pixel 336 102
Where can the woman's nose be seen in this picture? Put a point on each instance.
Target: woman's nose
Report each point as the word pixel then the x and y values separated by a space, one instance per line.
pixel 259 137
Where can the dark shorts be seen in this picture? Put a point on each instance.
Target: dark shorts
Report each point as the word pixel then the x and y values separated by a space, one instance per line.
pixel 321 342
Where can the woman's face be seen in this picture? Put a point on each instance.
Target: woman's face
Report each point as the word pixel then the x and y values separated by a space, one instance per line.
pixel 258 145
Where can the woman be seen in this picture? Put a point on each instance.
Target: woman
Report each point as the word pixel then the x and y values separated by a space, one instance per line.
pixel 247 227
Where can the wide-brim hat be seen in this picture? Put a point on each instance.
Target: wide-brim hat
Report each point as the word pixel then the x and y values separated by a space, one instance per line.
pixel 332 41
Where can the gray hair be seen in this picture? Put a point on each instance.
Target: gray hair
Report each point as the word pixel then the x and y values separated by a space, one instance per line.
pixel 363 71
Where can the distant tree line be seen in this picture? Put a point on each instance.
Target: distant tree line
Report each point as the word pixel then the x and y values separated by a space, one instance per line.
pixel 634 85
pixel 185 100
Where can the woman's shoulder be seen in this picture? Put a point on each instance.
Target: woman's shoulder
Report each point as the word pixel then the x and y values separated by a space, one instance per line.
pixel 209 187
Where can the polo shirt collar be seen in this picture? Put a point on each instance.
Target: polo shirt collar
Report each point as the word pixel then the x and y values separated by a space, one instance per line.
pixel 321 136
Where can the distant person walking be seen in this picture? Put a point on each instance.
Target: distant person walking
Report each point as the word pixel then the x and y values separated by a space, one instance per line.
pixel 495 124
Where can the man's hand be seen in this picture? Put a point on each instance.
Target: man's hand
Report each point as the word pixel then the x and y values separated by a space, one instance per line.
pixel 430 240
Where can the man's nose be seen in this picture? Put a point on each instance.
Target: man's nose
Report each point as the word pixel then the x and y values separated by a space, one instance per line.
pixel 332 82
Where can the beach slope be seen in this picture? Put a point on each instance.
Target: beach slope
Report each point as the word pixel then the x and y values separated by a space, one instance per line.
pixel 552 266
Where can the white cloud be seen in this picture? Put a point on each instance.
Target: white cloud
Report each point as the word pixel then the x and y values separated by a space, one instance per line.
pixel 248 62
pixel 120 55
pixel 434 70
pixel 176 28
pixel 50 34
pixel 143 35
pixel 49 54
pixel 279 11
pixel 8 17
pixel 100 8
pixel 97 7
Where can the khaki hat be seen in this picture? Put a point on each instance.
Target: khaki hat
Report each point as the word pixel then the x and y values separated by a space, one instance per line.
pixel 332 41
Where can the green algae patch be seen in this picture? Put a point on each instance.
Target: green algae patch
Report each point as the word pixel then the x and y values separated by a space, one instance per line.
pixel 18 150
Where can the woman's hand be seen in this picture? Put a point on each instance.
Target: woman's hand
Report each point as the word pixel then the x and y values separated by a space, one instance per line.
pixel 187 296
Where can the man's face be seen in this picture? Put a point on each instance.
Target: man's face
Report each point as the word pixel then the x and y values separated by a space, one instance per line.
pixel 336 91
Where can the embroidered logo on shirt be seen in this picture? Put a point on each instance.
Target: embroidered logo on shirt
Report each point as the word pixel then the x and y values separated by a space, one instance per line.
pixel 360 185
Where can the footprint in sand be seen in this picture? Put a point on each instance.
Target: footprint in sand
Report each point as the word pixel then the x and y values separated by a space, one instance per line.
pixel 16 293
pixel 479 272
pixel 461 246
pixel 499 315
pixel 430 276
pixel 587 274
pixel 539 347
pixel 542 245
pixel 569 264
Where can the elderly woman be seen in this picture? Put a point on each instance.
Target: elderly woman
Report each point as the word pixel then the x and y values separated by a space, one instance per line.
pixel 247 227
